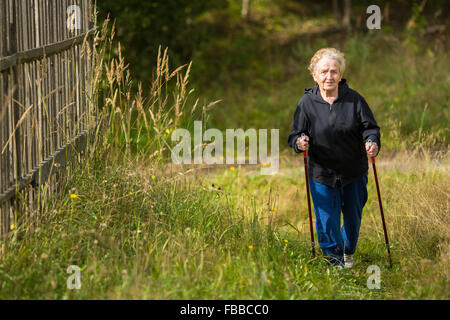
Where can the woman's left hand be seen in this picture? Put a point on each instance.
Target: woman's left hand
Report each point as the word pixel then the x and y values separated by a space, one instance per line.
pixel 372 150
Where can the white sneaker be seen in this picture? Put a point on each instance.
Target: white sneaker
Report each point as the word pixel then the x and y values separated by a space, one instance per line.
pixel 348 261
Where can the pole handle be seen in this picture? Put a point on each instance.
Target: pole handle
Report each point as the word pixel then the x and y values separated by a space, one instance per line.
pixel 303 137
pixel 372 159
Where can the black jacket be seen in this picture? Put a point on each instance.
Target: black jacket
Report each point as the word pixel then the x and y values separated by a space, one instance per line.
pixel 337 134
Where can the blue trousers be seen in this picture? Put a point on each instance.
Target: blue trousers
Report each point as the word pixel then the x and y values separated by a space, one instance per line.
pixel 333 239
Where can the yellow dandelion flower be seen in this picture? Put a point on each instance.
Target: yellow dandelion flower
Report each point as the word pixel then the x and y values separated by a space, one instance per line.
pixel 250 247
pixel 232 168
pixel 433 175
pixel 285 241
pixel 268 281
pixel 265 165
pixel 73 196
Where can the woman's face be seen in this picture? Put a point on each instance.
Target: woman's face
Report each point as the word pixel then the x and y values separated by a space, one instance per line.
pixel 327 74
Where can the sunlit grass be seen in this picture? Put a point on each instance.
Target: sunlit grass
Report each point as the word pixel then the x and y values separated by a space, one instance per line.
pixel 137 237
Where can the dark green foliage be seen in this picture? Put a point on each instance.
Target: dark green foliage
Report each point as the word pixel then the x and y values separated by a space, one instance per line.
pixel 142 26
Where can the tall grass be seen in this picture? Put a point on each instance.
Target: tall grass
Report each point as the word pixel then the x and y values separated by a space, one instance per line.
pixel 415 196
pixel 161 241
pixel 137 235
pixel 140 121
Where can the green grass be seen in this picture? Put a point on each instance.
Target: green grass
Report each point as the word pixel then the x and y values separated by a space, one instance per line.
pixel 176 237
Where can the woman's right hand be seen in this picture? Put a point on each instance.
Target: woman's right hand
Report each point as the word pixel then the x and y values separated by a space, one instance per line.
pixel 302 144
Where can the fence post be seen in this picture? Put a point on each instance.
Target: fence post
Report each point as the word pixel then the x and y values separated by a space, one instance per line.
pixel 14 87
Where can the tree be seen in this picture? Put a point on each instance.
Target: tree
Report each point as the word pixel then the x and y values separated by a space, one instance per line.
pixel 348 14
pixel 336 12
pixel 245 12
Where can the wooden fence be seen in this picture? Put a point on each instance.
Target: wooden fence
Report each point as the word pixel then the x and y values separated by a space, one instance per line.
pixel 46 71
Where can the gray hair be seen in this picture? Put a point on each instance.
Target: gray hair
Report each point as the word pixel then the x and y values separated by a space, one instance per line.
pixel 331 53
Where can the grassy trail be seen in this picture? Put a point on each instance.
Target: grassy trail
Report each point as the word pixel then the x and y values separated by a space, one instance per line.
pixel 415 197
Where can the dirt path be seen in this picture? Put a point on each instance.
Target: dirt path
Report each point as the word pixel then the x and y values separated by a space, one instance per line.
pixel 289 165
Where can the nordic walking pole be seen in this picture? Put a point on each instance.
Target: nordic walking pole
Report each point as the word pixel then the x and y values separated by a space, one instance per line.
pixel 303 137
pixel 381 206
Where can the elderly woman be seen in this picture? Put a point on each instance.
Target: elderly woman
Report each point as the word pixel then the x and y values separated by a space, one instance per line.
pixel 337 123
